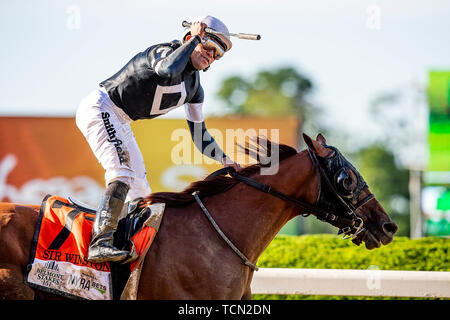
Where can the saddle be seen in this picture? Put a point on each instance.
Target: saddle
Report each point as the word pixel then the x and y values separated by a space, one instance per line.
pixel 58 257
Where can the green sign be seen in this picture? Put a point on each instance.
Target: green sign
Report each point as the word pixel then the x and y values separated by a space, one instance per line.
pixel 439 146
pixel 436 209
pixel 436 198
pixel 439 93
pixel 439 133
pixel 443 202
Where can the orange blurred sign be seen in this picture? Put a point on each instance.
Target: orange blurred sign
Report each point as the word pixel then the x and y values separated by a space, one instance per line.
pixel 50 155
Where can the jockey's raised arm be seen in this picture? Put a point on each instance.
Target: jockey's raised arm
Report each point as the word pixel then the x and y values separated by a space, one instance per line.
pixel 155 81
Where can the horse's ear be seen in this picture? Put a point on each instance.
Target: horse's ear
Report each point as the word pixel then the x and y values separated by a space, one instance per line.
pixel 309 142
pixel 321 139
pixel 315 146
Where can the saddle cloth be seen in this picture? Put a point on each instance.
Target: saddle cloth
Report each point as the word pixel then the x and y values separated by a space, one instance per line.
pixel 58 259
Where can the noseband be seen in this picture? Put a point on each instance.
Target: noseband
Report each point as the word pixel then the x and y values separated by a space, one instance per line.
pixel 350 225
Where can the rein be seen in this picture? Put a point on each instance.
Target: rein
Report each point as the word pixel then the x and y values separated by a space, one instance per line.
pixel 354 222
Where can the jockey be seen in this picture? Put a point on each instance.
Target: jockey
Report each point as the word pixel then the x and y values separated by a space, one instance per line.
pixel 159 79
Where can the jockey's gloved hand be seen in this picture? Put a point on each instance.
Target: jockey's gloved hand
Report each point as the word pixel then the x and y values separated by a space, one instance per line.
pixel 227 162
pixel 198 28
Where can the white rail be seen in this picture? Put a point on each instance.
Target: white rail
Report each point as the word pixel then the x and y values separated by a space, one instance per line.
pixel 352 282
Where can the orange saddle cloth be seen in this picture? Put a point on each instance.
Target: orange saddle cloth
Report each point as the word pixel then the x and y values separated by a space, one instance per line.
pixel 58 259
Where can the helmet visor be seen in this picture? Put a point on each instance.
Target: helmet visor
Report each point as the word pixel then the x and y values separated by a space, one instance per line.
pixel 210 44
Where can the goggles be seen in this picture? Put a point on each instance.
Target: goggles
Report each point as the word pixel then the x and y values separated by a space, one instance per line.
pixel 210 44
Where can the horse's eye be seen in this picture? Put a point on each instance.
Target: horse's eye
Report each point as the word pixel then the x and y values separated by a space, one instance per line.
pixel 344 182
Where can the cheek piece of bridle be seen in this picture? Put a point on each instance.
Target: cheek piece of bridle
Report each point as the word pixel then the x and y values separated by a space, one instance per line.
pixel 332 165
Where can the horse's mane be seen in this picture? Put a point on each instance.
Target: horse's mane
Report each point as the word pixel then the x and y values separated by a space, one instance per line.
pixel 261 149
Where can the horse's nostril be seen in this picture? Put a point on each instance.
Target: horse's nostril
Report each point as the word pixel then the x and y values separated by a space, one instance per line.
pixel 390 228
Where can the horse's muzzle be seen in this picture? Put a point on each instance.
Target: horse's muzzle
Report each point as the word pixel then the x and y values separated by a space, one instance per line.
pixel 389 229
pixel 373 238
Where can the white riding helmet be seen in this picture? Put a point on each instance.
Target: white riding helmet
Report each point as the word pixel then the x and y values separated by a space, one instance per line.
pixel 217 25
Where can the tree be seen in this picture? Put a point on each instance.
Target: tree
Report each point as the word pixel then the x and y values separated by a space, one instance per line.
pixel 272 93
pixel 278 92
pixel 401 119
pixel 387 181
pixel 402 116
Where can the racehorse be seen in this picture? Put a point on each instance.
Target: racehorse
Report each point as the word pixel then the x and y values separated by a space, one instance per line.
pixel 189 258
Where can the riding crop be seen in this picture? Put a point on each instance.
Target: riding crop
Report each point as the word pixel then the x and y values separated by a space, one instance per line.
pixel 247 36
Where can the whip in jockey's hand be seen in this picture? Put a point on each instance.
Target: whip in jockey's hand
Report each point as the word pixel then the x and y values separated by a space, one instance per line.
pixel 163 77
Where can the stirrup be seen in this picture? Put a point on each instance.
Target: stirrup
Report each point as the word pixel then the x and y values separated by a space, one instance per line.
pixel 132 255
pixel 101 257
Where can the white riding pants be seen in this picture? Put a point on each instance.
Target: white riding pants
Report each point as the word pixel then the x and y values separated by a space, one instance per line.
pixel 107 130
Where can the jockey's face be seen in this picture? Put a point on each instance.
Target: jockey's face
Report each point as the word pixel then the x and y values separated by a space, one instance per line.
pixel 202 58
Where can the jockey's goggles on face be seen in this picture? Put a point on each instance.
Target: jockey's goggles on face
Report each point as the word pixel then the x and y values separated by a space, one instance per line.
pixel 210 44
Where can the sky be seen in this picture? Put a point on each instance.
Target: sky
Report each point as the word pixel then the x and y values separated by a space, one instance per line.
pixel 55 52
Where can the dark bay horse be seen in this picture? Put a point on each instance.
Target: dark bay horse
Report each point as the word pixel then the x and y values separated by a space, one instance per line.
pixel 189 260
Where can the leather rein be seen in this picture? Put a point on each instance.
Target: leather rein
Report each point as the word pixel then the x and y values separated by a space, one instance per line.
pixel 352 225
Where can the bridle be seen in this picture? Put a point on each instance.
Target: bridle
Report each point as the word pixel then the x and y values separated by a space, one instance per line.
pixel 349 225
pixel 352 225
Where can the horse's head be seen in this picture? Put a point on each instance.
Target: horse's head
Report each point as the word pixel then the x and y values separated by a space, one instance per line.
pixel 345 194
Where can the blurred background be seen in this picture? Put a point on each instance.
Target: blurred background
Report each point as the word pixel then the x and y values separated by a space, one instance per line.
pixel 372 76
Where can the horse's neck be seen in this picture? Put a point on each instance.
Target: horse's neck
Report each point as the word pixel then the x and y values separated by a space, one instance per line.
pixel 254 217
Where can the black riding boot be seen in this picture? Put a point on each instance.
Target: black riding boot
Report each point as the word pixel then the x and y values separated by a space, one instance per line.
pixel 101 248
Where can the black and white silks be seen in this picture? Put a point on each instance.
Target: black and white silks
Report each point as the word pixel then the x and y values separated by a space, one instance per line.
pixel 160 79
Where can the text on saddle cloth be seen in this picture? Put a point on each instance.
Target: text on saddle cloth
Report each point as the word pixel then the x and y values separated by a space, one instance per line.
pixel 58 258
